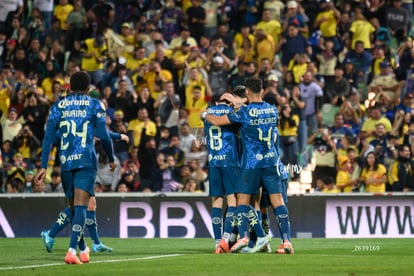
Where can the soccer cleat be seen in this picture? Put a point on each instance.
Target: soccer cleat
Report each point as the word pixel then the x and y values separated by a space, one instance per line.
pixel 224 246
pixel 246 249
pixel 281 249
pixel 47 240
pixel 267 248
pixel 84 256
pixel 218 250
pixel 243 242
pixel 288 247
pixel 72 258
pixel 101 248
pixel 261 243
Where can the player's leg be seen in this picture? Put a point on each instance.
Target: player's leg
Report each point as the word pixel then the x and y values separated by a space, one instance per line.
pixel 92 226
pixel 282 214
pixel 264 212
pixel 217 220
pixel 230 177
pixel 63 219
pixel 257 227
pixel 78 223
pixel 84 180
pixel 230 224
pixel 216 191
pixel 281 249
pixel 258 238
pixel 274 187
pixel 249 184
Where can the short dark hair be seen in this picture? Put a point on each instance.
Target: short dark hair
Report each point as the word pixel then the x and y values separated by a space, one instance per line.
pixel 197 87
pixel 79 81
pixel 328 180
pixel 254 84
pixel 239 91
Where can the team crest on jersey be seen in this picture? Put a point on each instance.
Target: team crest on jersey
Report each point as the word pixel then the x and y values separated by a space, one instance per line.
pixel 259 156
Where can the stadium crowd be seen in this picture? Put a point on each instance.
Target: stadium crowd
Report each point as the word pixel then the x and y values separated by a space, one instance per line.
pixel 340 73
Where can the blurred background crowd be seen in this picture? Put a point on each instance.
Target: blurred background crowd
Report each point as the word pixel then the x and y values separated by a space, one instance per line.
pixel 340 73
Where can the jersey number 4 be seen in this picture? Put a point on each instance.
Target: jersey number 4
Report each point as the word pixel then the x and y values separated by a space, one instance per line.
pixel 268 139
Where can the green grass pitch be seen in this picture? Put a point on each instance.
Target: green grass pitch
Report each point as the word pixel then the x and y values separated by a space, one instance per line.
pixel 27 256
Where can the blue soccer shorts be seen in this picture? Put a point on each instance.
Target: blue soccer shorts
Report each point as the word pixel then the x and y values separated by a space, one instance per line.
pixel 251 179
pixel 83 179
pixel 223 181
pixel 265 201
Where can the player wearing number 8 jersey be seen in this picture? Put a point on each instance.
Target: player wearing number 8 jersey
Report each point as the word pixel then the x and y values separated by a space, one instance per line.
pixel 258 122
pixel 75 120
pixel 223 173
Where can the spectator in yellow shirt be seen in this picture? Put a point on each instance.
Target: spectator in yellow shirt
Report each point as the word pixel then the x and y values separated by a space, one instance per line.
pixel 179 58
pixel 156 77
pixel 195 105
pixel 61 12
pixel 136 126
pixel 5 94
pixel 327 19
pixel 138 57
pixel 94 56
pixel 343 177
pixel 361 30
pixel 369 126
pixel 264 46
pixel 270 26
pixel 374 174
pixel 245 33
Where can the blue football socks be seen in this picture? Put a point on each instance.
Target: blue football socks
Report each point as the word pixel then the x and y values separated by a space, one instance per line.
pixel 78 223
pixel 92 226
pixel 282 215
pixel 217 222
pixel 64 218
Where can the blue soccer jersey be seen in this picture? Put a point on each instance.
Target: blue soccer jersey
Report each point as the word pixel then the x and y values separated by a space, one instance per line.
pixel 75 121
pixel 221 140
pixel 258 134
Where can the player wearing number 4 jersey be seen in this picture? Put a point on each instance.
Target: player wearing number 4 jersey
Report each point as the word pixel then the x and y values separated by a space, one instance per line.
pixel 258 122
pixel 75 121
pixel 223 173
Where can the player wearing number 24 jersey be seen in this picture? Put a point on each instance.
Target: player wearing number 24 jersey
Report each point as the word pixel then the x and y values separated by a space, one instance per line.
pixel 75 120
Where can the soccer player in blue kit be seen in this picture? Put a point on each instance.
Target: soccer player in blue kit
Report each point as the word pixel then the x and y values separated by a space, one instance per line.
pixel 65 217
pixel 75 120
pixel 258 122
pixel 223 173
pixel 264 201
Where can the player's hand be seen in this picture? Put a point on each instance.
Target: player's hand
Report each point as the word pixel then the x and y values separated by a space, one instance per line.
pixel 228 97
pixel 40 177
pixel 112 166
pixel 125 138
